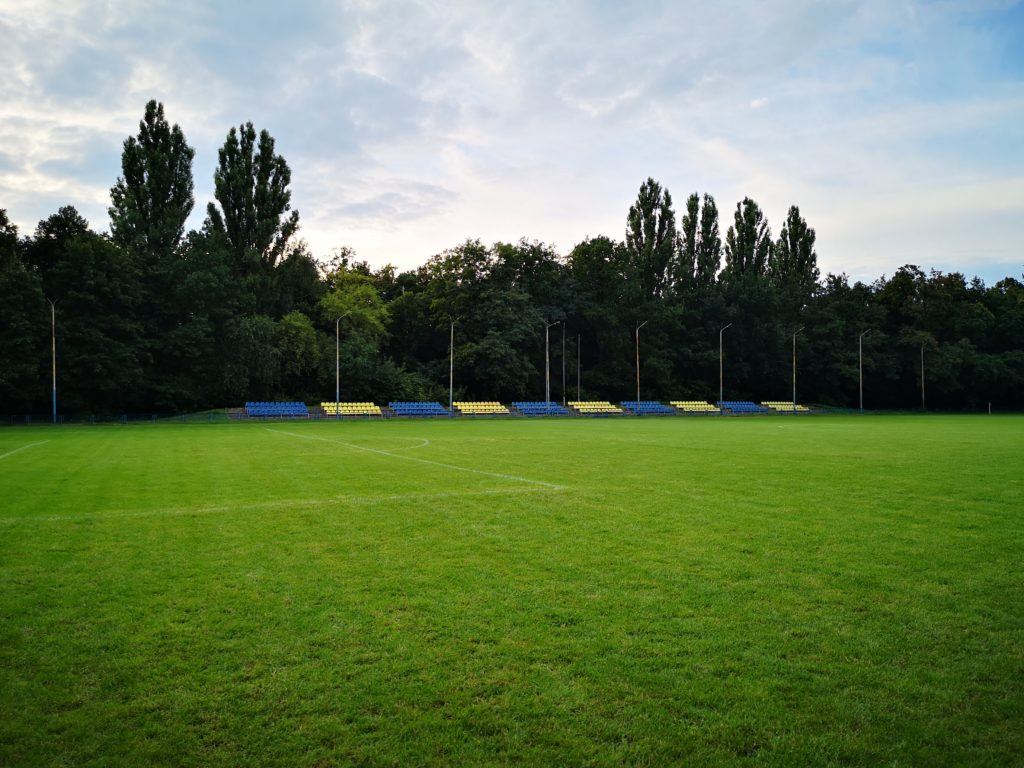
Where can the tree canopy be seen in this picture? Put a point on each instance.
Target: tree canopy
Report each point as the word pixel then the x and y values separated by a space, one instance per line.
pixel 159 319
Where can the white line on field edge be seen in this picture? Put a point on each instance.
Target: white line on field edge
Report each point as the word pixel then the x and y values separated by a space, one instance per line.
pixel 353 446
pixel 16 450
pixel 327 500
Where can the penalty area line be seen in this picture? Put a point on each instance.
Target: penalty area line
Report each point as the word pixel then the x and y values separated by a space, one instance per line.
pixel 23 448
pixel 431 462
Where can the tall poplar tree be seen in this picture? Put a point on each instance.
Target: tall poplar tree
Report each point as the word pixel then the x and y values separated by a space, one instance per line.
pixel 651 237
pixel 153 197
pixel 709 246
pixel 748 243
pixel 794 263
pixel 251 186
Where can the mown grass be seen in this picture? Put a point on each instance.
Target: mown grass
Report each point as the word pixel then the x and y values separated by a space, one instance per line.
pixel 772 591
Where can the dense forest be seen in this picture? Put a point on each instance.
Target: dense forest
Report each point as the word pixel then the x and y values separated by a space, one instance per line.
pixel 154 318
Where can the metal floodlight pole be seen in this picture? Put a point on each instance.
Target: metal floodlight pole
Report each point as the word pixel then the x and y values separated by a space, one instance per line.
pixel 451 366
pixel 721 375
pixel 794 365
pixel 860 366
pixel 53 358
pixel 577 367
pixel 563 364
pixel 922 376
pixel 337 365
pixel 547 361
pixel 641 325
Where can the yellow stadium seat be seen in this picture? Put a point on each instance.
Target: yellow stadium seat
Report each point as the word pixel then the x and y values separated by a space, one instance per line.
pixel 594 407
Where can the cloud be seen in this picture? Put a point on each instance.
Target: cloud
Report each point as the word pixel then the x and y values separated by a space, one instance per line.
pixel 412 126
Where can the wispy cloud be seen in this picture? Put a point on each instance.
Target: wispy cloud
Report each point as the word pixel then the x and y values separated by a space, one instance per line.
pixel 894 125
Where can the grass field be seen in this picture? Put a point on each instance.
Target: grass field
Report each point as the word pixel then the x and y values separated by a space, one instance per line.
pixel 772 591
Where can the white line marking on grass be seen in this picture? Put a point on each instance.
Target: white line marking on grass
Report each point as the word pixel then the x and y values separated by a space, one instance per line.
pixel 456 467
pixel 24 447
pixel 327 500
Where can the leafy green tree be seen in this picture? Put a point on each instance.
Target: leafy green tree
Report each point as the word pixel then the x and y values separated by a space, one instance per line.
pixel 748 243
pixel 150 203
pixel 709 245
pixel 99 339
pixel 153 197
pixel 689 239
pixel 23 320
pixel 651 238
pixel 251 185
pixel 300 356
pixel 794 262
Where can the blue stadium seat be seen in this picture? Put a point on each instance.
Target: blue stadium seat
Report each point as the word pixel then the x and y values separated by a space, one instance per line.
pixel 418 408
pixel 287 410
pixel 647 408
pixel 742 406
pixel 540 408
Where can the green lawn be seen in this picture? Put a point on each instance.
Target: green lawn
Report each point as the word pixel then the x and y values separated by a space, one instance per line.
pixel 767 590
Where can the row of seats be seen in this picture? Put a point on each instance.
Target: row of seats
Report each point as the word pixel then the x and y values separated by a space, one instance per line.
pixel 527 408
pixel 489 408
pixel 647 407
pixel 286 409
pixel 594 406
pixel 351 409
pixel 742 406
pixel 418 408
pixel 785 405
pixel 694 406
pixel 540 408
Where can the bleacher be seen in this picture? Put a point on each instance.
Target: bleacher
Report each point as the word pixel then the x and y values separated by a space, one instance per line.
pixel 402 408
pixel 488 408
pixel 285 410
pixel 594 407
pixel 647 408
pixel 694 406
pixel 785 406
pixel 743 406
pixel 351 409
pixel 540 408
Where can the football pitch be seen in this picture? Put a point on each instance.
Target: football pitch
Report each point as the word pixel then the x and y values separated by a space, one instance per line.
pixel 833 590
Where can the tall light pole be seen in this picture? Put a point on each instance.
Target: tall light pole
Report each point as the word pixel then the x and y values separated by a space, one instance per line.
pixel 721 376
pixel 547 362
pixel 860 366
pixel 641 325
pixel 922 376
pixel 577 367
pixel 451 366
pixel 337 365
pixel 794 365
pixel 53 357
pixel 563 364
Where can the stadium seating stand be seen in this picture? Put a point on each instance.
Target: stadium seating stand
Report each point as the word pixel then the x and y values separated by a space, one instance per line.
pixel 743 407
pixel 402 408
pixel 540 408
pixel 785 406
pixel 595 408
pixel 487 408
pixel 283 410
pixel 351 409
pixel 694 406
pixel 647 408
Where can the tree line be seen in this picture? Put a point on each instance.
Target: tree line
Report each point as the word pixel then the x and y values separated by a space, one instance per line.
pixel 154 318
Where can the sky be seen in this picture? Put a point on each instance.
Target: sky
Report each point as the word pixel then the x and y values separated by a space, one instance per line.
pixel 896 126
